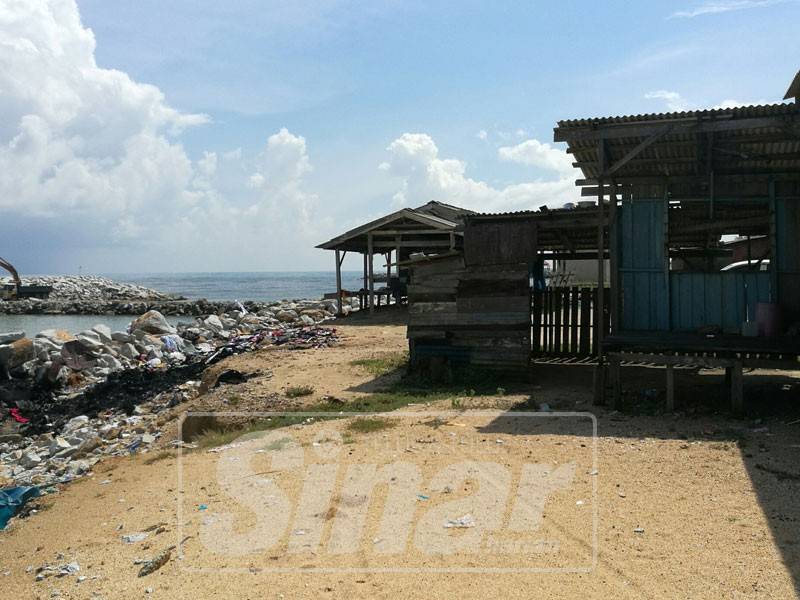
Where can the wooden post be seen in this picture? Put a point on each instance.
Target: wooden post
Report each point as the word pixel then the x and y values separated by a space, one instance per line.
pixel 613 259
pixel 599 378
pixel 737 396
pixel 370 275
pixel 338 284
pixel 616 382
pixel 397 251
pixel 670 388
pixel 365 287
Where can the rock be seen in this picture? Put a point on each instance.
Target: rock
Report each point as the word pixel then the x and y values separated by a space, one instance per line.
pixel 11 336
pixel 122 337
pixel 129 351
pixel 76 423
pixel 16 353
pixel 315 314
pixel 30 459
pixel 214 323
pixel 90 339
pixel 57 336
pixel 59 444
pixel 306 320
pixel 152 322
pixel 78 356
pixel 286 316
pixel 104 331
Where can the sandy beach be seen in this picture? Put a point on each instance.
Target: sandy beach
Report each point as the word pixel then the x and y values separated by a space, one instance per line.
pixel 685 506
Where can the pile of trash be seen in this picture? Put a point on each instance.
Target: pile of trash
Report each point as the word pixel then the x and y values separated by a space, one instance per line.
pixel 73 399
pixel 51 458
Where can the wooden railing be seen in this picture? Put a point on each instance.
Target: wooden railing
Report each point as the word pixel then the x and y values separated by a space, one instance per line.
pixel 563 321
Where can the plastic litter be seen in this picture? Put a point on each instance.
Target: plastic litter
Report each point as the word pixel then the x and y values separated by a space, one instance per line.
pixel 460 523
pixel 13 499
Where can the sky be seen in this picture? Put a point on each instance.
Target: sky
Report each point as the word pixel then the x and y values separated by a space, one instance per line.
pixel 151 136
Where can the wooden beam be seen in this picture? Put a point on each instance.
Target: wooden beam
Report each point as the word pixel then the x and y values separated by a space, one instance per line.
pixel 637 149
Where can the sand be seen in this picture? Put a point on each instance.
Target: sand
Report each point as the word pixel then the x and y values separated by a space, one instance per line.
pixel 685 506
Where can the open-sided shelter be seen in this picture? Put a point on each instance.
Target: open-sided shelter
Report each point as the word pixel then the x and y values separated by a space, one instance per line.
pixel 433 228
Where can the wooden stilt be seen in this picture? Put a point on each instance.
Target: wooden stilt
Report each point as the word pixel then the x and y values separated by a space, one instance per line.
pixel 670 388
pixel 616 382
pixel 737 397
pixel 338 284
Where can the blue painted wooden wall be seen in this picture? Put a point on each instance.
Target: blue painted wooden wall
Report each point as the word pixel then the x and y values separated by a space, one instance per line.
pixel 685 301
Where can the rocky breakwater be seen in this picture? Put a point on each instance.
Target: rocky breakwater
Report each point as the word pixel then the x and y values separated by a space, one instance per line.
pixel 90 295
pixel 68 400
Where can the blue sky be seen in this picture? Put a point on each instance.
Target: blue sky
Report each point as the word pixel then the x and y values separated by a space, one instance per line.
pixel 346 81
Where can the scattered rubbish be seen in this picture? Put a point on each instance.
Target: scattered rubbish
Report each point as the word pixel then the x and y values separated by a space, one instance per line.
pixel 447 490
pixel 105 482
pixel 423 497
pixel 544 407
pixel 202 507
pixel 15 414
pixel 299 532
pixel 64 570
pixel 621 494
pixel 593 472
pixel 154 564
pixel 231 376
pixel 579 503
pixel 13 499
pixel 461 523
pixel 638 530
pixel 134 538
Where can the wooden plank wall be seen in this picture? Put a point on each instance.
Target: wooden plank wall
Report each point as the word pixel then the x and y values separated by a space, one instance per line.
pixel 476 315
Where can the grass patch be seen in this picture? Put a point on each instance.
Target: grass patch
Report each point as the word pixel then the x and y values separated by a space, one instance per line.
pixel 383 365
pixel 297 391
pixel 370 424
pixel 276 445
pixel 406 391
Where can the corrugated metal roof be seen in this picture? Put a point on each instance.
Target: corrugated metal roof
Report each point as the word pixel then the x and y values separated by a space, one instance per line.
pixel 736 112
pixel 761 145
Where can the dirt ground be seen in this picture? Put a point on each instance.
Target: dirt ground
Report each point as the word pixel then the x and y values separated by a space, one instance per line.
pixel 695 504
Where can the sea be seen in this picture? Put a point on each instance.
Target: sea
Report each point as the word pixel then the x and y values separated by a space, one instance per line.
pixel 263 286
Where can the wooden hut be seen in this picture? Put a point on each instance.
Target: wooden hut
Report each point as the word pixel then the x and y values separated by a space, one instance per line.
pixel 483 306
pixel 433 228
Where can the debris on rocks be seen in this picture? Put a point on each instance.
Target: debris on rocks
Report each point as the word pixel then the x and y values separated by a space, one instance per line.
pixel 73 399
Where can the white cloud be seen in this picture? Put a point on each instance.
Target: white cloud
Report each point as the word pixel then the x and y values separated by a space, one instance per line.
pixel 537 154
pixel 425 176
pixel 90 163
pixel 482 135
pixel 673 100
pixel 723 6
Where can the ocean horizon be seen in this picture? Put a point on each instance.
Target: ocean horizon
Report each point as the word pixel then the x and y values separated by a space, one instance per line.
pixel 263 286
